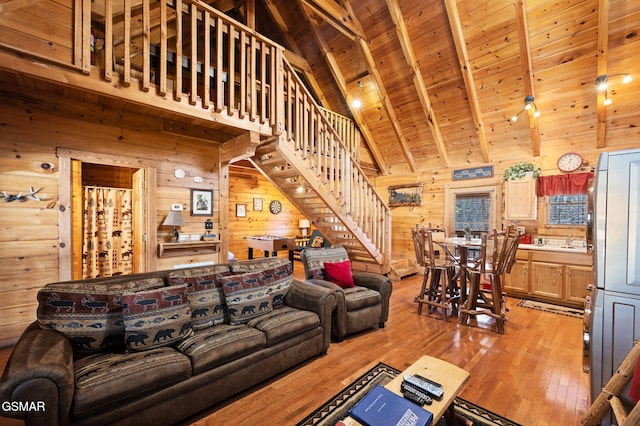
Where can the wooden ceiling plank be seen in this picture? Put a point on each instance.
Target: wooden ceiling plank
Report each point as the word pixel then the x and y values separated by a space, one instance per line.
pixel 384 96
pixel 337 17
pixel 410 57
pixel 294 56
pixel 467 74
pixel 342 86
pixel 603 48
pixel 527 72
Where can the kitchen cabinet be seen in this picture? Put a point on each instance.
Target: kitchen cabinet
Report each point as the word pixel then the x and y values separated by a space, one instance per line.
pixel 547 280
pixel 553 277
pixel 576 279
pixel 520 199
pixel 517 282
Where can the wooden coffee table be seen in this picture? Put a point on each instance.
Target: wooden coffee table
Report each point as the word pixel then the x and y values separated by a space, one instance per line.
pixel 451 377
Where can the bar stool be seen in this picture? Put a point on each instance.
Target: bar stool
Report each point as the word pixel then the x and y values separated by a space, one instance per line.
pixel 497 255
pixel 439 289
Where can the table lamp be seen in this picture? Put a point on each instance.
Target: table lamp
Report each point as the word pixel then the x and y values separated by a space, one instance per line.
pixel 174 218
pixel 304 224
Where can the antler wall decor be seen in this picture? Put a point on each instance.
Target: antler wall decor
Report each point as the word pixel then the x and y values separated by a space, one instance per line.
pixel 31 195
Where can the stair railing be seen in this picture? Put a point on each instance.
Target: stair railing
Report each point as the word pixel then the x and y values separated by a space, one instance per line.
pixel 312 135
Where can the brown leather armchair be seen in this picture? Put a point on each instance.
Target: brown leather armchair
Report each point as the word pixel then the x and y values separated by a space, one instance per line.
pixel 358 308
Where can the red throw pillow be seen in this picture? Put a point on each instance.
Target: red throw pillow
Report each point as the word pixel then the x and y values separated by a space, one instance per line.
pixel 339 273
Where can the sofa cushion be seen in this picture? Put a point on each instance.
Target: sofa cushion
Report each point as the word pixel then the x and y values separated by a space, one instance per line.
pixel 250 295
pixel 158 317
pixel 339 273
pixel 206 297
pixel 220 344
pixel 260 265
pixel 89 314
pixel 106 380
pixel 360 297
pixel 284 323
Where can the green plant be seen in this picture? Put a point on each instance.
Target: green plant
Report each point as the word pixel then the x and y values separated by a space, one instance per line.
pixel 520 169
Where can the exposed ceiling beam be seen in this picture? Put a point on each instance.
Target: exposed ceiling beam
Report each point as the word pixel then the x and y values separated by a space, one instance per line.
pixel 527 71
pixel 418 81
pixel 465 68
pixel 603 48
pixel 342 86
pixel 338 17
pixel 384 96
pixel 295 55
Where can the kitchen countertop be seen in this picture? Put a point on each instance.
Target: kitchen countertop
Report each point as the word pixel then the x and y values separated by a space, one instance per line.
pixel 550 247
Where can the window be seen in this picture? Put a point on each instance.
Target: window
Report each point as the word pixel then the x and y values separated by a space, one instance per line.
pixel 567 209
pixel 471 206
pixel 473 211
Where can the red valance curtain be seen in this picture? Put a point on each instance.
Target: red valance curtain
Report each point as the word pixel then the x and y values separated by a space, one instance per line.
pixel 576 183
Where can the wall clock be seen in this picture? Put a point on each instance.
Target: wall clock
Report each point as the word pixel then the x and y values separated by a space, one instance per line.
pixel 569 162
pixel 275 207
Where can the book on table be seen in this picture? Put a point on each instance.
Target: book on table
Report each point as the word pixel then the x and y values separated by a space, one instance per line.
pixel 381 407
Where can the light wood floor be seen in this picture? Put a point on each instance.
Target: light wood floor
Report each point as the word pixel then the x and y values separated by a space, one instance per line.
pixel 532 374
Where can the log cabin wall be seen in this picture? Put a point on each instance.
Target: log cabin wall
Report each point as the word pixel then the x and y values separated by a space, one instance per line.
pixel 435 179
pixel 31 138
pixel 245 185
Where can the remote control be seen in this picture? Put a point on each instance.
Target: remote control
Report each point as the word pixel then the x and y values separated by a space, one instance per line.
pixel 416 395
pixel 426 385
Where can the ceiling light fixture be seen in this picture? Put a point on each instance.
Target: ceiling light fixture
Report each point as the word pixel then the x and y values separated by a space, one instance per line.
pixel 528 103
pixel 602 81
pixel 356 102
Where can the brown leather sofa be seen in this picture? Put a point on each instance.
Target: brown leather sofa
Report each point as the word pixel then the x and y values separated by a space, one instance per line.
pixel 57 375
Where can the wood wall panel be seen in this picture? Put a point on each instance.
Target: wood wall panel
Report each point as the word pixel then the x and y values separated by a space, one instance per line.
pixel 30 138
pixel 244 186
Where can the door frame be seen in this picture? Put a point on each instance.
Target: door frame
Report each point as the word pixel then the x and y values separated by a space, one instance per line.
pixel 146 190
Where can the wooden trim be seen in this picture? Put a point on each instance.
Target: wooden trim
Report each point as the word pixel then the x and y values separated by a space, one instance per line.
pixel 65 260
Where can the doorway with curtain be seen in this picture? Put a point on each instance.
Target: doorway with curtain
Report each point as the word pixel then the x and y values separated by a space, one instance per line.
pixel 108 220
pixel 108 232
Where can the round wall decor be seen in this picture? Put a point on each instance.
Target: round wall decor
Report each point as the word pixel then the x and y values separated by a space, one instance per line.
pixel 275 207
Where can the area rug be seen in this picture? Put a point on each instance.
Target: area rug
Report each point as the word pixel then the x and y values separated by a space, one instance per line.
pixel 338 407
pixel 548 307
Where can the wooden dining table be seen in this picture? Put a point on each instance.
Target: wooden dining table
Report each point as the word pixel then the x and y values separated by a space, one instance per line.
pixel 463 245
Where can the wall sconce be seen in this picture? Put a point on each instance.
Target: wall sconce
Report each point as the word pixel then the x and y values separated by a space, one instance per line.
pixel 528 102
pixel 304 225
pixel 602 81
pixel 174 218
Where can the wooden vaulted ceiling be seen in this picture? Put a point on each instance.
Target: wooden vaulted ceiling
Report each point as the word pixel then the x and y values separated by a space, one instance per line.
pixel 439 80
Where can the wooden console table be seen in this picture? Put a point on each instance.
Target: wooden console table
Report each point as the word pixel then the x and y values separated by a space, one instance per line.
pixel 271 244
pixel 188 248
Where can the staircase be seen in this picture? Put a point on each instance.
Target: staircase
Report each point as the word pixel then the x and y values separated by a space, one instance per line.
pixel 312 166
pixel 186 58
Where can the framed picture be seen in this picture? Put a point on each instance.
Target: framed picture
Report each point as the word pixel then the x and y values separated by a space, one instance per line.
pixel 241 210
pixel 201 202
pixel 257 204
pixel 405 195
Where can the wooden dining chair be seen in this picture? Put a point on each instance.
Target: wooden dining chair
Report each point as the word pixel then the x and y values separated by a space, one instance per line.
pixel 439 289
pixel 497 255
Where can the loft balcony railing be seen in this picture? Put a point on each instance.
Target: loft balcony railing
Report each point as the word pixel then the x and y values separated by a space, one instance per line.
pixel 188 53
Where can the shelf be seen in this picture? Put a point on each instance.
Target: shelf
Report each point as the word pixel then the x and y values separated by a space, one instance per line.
pixel 188 248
